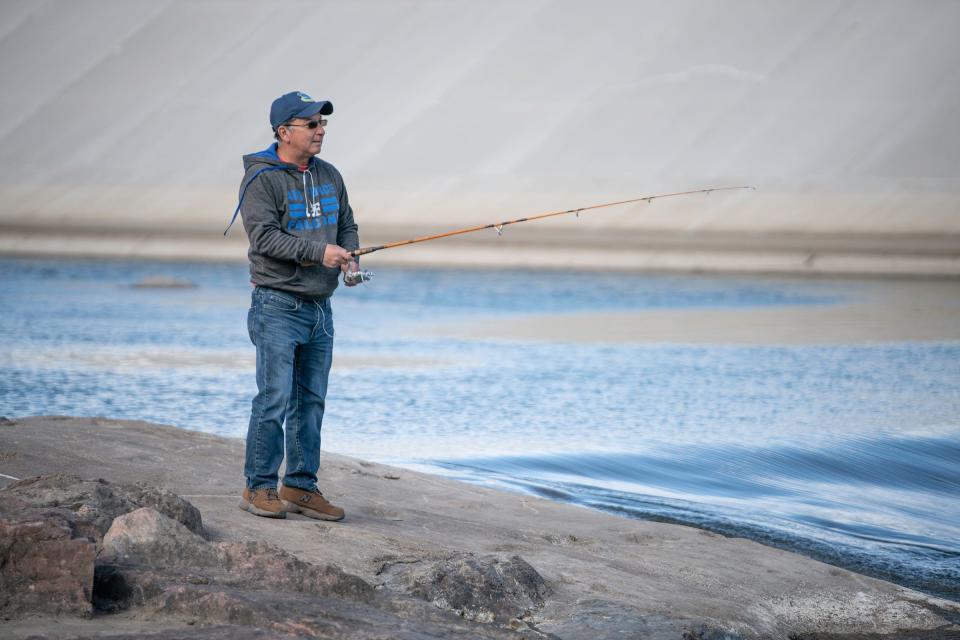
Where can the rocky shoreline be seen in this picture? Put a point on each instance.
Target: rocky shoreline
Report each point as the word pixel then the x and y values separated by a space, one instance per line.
pixel 153 563
pixel 127 530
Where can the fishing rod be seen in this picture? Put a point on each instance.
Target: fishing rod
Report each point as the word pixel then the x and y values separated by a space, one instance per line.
pixel 500 225
pixel 360 276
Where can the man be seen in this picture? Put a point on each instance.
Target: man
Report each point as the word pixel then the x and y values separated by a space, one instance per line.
pixel 301 231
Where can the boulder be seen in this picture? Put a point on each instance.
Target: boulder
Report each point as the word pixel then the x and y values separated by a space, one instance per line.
pixel 144 552
pixel 149 538
pixel 98 502
pixel 50 527
pixel 482 589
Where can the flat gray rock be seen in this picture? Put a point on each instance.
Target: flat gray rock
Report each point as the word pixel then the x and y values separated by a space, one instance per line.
pixel 606 619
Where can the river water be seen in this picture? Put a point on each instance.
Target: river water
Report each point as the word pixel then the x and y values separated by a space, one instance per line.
pixel 846 453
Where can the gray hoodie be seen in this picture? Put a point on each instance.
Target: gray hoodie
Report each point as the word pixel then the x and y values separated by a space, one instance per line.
pixel 290 216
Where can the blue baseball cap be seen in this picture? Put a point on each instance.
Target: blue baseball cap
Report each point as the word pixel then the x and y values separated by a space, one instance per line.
pixel 297 104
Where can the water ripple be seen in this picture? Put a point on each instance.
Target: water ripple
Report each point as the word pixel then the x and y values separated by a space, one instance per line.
pixel 887 506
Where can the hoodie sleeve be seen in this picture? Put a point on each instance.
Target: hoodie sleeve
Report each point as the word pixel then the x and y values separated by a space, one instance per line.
pixel 262 212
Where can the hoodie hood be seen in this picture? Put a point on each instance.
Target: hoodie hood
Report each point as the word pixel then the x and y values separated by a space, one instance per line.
pixel 267 157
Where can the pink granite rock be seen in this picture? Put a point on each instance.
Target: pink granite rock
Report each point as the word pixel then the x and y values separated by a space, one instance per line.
pixel 144 550
pixel 46 565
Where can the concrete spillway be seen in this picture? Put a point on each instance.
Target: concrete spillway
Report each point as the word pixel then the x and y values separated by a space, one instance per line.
pixel 122 126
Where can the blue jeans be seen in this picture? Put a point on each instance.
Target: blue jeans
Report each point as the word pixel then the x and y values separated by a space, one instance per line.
pixel 294 340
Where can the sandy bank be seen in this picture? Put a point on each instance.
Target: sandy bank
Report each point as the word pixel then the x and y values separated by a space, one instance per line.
pixel 890 311
pixel 608 576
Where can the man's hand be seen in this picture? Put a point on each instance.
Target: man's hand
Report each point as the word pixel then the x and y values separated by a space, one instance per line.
pixel 336 256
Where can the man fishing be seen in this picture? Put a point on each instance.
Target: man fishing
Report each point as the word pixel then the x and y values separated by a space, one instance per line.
pixel 302 235
pixel 301 231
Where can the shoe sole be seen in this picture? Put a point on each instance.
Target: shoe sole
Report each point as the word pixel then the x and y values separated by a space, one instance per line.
pixel 310 513
pixel 251 508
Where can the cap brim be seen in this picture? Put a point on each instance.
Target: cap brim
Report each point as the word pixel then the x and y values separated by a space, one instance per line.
pixel 323 107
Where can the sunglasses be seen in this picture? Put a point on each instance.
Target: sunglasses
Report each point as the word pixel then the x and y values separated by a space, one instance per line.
pixel 313 124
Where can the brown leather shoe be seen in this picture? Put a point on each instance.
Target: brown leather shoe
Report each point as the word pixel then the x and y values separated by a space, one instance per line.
pixel 263 502
pixel 310 503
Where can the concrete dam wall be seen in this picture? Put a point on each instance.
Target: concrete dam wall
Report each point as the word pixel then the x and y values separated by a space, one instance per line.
pixel 122 125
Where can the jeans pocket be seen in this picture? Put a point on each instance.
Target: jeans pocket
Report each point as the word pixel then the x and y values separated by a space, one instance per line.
pixel 251 313
pixel 278 301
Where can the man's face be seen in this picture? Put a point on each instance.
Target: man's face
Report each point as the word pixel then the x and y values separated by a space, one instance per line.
pixel 304 139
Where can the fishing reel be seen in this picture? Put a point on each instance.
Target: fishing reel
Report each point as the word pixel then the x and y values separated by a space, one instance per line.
pixel 357 277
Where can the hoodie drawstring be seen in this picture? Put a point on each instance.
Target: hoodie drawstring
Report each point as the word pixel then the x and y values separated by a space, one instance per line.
pixel 306 194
